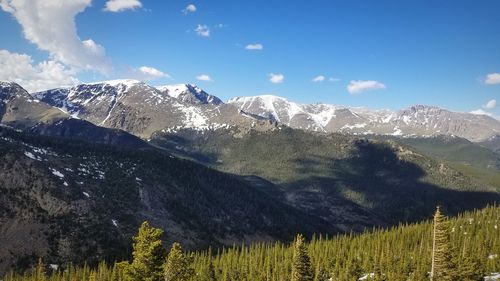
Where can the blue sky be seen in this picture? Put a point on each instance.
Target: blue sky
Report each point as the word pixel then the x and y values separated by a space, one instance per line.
pixel 393 53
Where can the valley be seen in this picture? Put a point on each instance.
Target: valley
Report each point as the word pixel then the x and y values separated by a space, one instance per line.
pixel 94 159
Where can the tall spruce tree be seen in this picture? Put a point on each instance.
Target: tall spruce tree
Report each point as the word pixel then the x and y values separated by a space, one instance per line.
pixel 443 268
pixel 301 266
pixel 148 254
pixel 178 265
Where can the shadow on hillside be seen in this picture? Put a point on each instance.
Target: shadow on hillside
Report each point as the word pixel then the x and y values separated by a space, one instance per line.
pixel 181 146
pixel 392 189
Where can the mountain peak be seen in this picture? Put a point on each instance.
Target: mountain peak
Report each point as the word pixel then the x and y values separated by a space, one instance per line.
pixel 265 98
pixel 12 89
pixel 118 82
pixel 189 93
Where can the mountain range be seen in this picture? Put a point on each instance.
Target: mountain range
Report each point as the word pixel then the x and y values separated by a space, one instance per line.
pixel 415 121
pixel 99 158
pixel 142 110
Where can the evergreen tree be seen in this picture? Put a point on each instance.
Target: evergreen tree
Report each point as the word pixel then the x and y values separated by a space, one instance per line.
pixel 443 268
pixel 40 274
pixel 148 255
pixel 93 276
pixel 211 273
pixel 301 266
pixel 400 253
pixel 354 270
pixel 470 269
pixel 178 265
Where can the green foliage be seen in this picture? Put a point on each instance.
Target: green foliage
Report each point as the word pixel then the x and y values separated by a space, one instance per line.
pixel 40 274
pixel 148 255
pixel 178 265
pixel 400 253
pixel 443 267
pixel 301 264
pixel 470 269
pixel 124 186
pixel 395 182
pixel 455 149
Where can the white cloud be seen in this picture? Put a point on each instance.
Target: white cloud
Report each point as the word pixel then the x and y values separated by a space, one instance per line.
pixel 481 112
pixel 202 30
pixel 492 78
pixel 319 78
pixel 256 46
pixel 51 26
pixel 359 86
pixel 490 104
pixel 276 78
pixel 322 78
pixel 191 8
pixel 204 77
pixel 122 5
pixel 45 75
pixel 150 73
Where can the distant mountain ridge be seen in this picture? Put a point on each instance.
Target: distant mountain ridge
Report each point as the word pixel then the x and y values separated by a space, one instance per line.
pixel 416 121
pixel 144 110
pixel 20 111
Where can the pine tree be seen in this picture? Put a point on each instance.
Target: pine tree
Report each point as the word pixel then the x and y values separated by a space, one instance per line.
pixel 211 273
pixel 443 268
pixel 470 269
pixel 354 270
pixel 93 276
pixel 301 266
pixel 40 274
pixel 178 265
pixel 148 254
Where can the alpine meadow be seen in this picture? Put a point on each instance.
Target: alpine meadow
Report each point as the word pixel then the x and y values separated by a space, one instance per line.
pixel 265 140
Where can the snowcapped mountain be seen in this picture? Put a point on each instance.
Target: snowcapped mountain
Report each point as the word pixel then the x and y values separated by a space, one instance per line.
pixel 417 120
pixel 21 111
pixel 143 110
pixel 189 93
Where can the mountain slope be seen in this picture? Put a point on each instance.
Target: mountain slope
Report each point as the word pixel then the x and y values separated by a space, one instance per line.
pixel 189 93
pixel 143 110
pixel 20 111
pixel 456 149
pixel 75 201
pixel 417 120
pixel 329 174
pixel 492 143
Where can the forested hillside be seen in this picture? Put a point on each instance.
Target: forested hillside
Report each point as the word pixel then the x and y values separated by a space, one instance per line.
pixel 404 252
pixel 328 174
pixel 75 201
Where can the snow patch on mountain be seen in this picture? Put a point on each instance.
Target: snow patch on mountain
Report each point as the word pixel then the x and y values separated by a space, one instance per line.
pixel 189 93
pixel 194 117
pixel 118 82
pixel 418 120
pixel 354 126
pixel 133 106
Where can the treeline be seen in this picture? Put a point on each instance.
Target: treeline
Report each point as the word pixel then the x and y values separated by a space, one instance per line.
pixel 465 248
